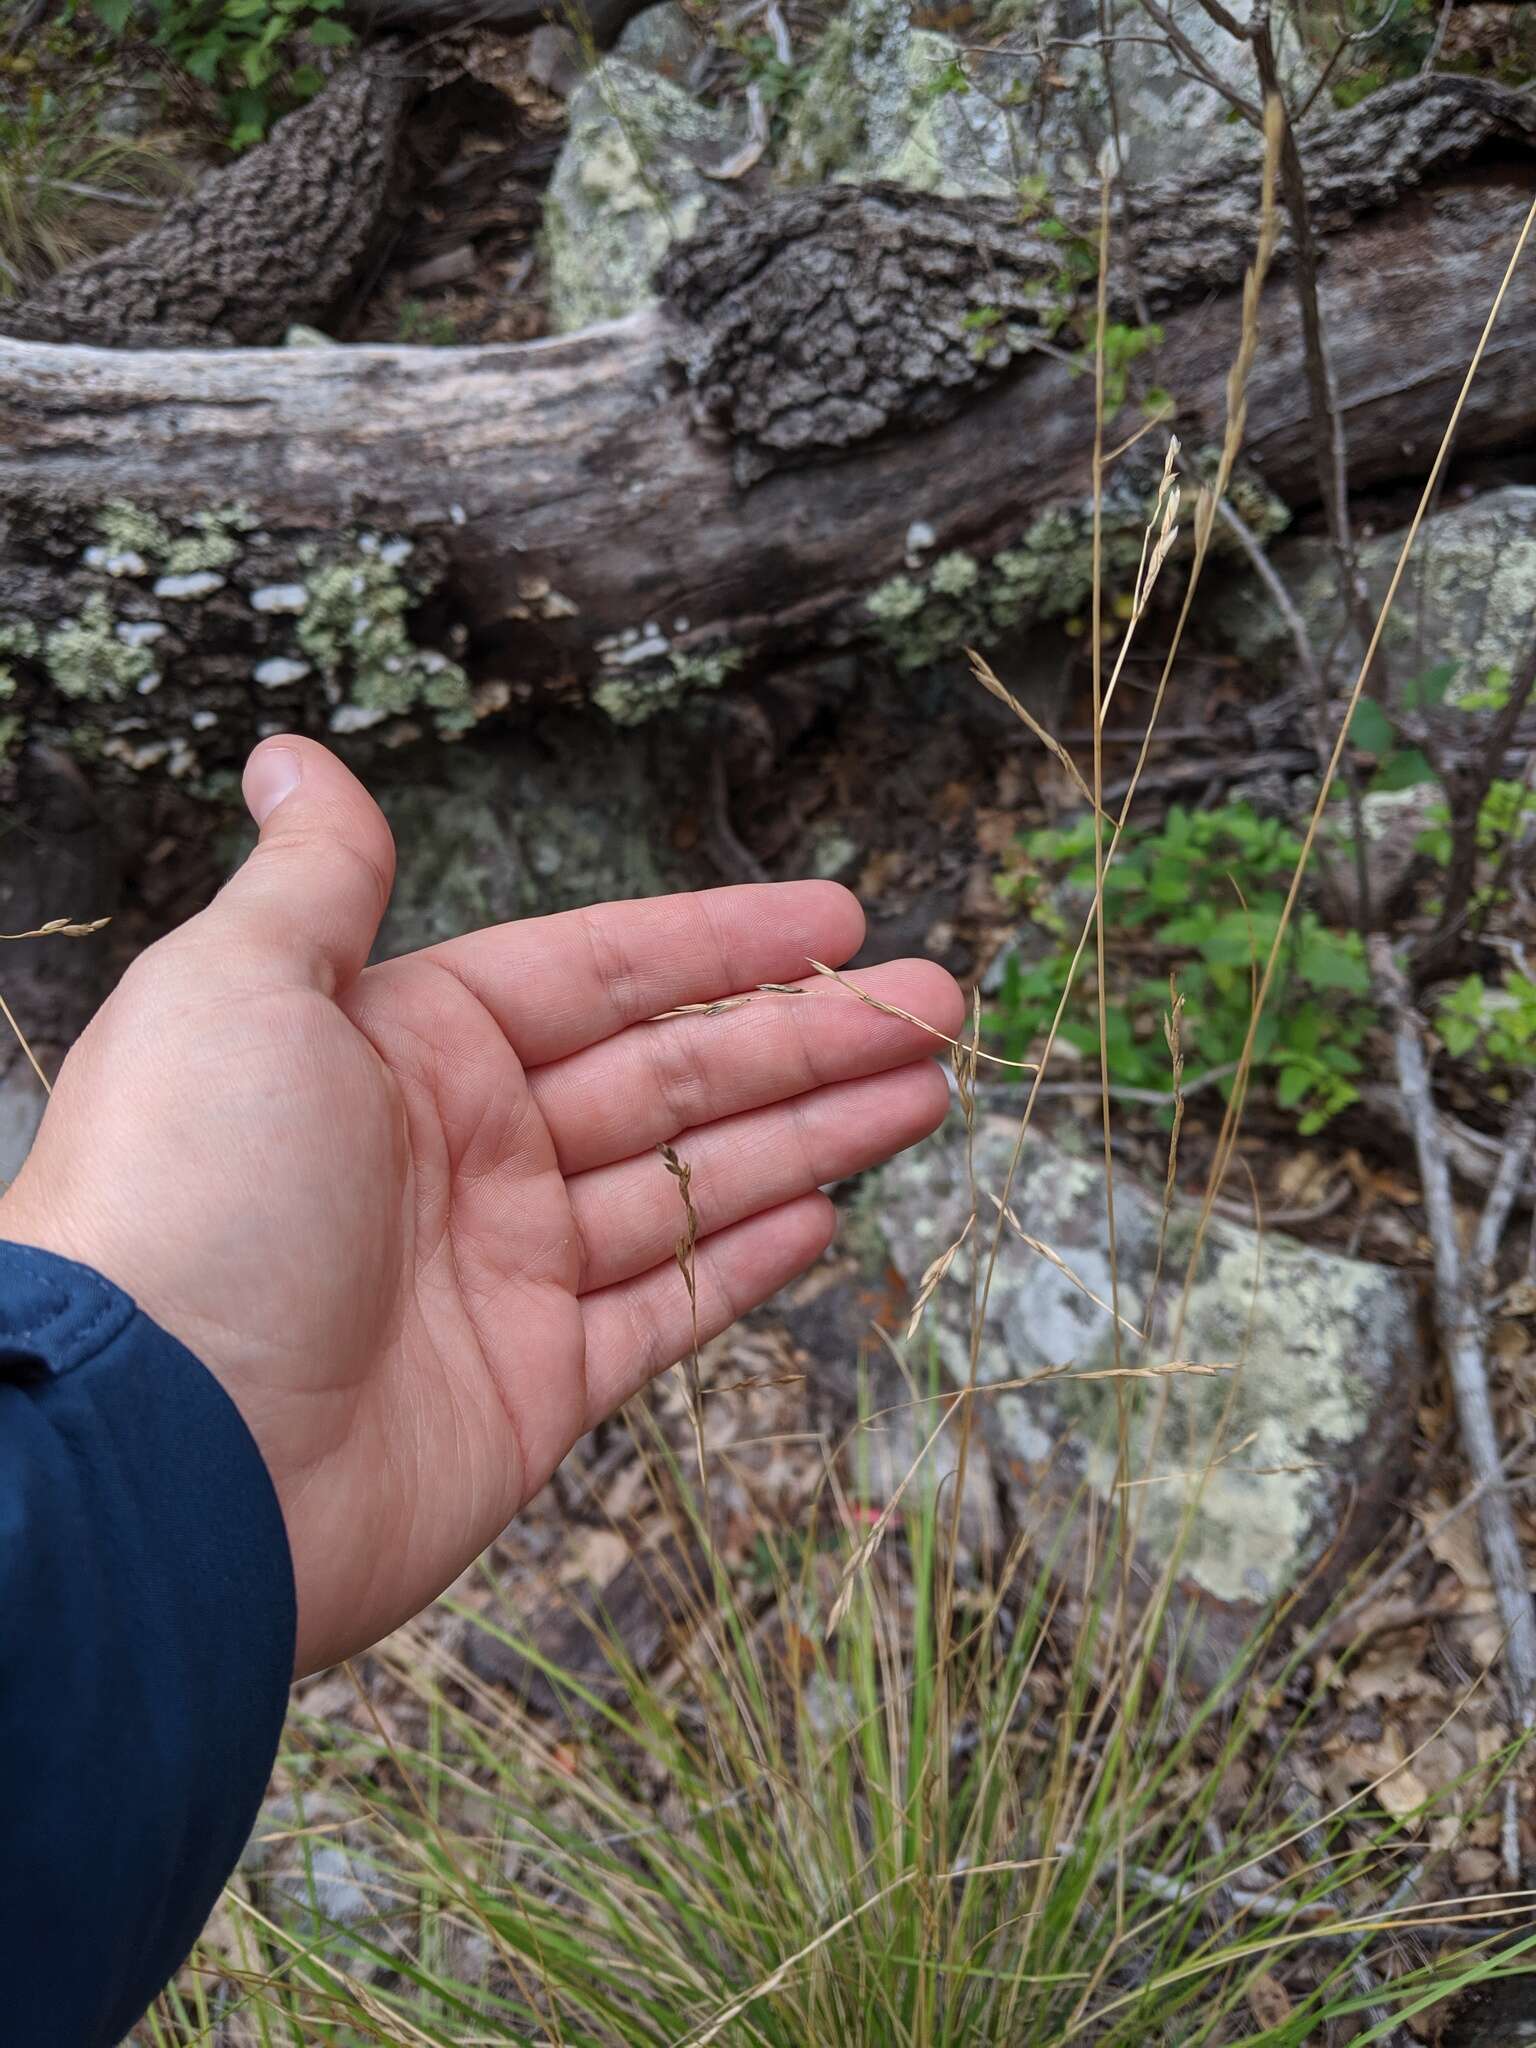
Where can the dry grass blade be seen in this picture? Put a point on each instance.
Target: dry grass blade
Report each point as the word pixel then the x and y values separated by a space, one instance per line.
pixel 1173 1368
pixel 989 682
pixel 1196 1473
pixel 770 1983
pixel 684 1253
pixel 60 928
pixel 875 1535
pixel 893 1010
pixel 55 928
pixel 1153 555
pixel 933 1276
pixel 21 1039
pixel 1055 1259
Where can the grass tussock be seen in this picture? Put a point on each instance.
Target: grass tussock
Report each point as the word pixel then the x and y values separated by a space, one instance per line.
pixel 970 1812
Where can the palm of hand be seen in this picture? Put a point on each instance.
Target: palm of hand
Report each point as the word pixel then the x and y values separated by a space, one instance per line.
pixel 414 1218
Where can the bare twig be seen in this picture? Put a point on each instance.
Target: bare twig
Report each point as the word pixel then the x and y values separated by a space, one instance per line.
pixel 1325 418
pixel 1198 65
pixel 1314 689
pixel 1462 1317
pixel 1467 783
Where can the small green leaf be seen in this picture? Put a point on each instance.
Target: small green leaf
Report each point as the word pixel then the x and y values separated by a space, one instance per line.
pixel 1422 693
pixel 1404 768
pixel 1370 729
pixel 1292 1084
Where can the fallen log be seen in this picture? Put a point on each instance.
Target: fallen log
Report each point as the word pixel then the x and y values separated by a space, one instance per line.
pixel 802 445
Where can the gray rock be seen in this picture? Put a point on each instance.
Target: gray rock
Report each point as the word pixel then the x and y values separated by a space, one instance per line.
pixel 579 815
pixel 1468 595
pixel 1329 1352
pixel 876 105
pixel 336 1890
pixel 666 39
pixel 1391 824
pixel 1168 120
pixel 131 111
pixel 885 100
pixel 554 59
pixel 629 182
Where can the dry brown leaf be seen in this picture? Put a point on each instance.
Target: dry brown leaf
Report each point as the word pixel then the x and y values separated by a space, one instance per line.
pixel 1455 1545
pixel 1403 1793
pixel 1269 2001
pixel 595 1555
pixel 1396 1671
pixel 1476 1869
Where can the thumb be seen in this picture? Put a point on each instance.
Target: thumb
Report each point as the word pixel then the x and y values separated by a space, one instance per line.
pixel 314 888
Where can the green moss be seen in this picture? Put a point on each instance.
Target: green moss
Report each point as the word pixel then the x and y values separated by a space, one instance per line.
pixel 630 698
pixel 829 121
pixel 354 628
pixel 85 658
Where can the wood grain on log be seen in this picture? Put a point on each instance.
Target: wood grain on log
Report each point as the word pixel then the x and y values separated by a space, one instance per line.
pixel 577 466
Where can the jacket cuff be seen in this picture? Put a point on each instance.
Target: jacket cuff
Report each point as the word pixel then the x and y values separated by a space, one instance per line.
pixel 147 1651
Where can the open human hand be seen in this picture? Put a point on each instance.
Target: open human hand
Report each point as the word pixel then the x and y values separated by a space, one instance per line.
pixel 413 1215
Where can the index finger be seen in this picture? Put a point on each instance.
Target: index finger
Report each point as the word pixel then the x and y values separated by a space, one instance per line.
pixel 556 984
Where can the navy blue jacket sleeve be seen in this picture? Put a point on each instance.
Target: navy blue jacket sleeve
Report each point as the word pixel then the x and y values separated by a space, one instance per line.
pixel 146 1645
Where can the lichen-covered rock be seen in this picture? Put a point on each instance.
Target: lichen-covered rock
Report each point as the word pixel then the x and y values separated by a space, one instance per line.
pixel 1167 119
pixel 1468 596
pixel 888 100
pixel 1261 1476
pixel 578 813
pixel 666 39
pixel 630 181
pixel 1392 821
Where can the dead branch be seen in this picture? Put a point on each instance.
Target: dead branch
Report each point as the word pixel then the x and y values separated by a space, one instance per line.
pixel 1461 1290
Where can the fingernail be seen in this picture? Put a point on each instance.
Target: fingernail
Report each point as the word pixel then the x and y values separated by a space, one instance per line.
pixel 271 774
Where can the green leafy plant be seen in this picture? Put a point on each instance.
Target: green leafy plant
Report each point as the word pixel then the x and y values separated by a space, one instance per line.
pixel 418 323
pixel 779 83
pixel 1198 899
pixel 984 324
pixel 1122 346
pixel 1500 817
pixel 1492 1025
pixel 257 54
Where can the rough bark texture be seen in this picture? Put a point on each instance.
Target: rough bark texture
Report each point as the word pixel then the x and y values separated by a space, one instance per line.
pixel 558 501
pixel 270 240
pixel 828 317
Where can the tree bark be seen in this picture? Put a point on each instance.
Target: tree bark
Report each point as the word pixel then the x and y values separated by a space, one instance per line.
pixel 634 501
